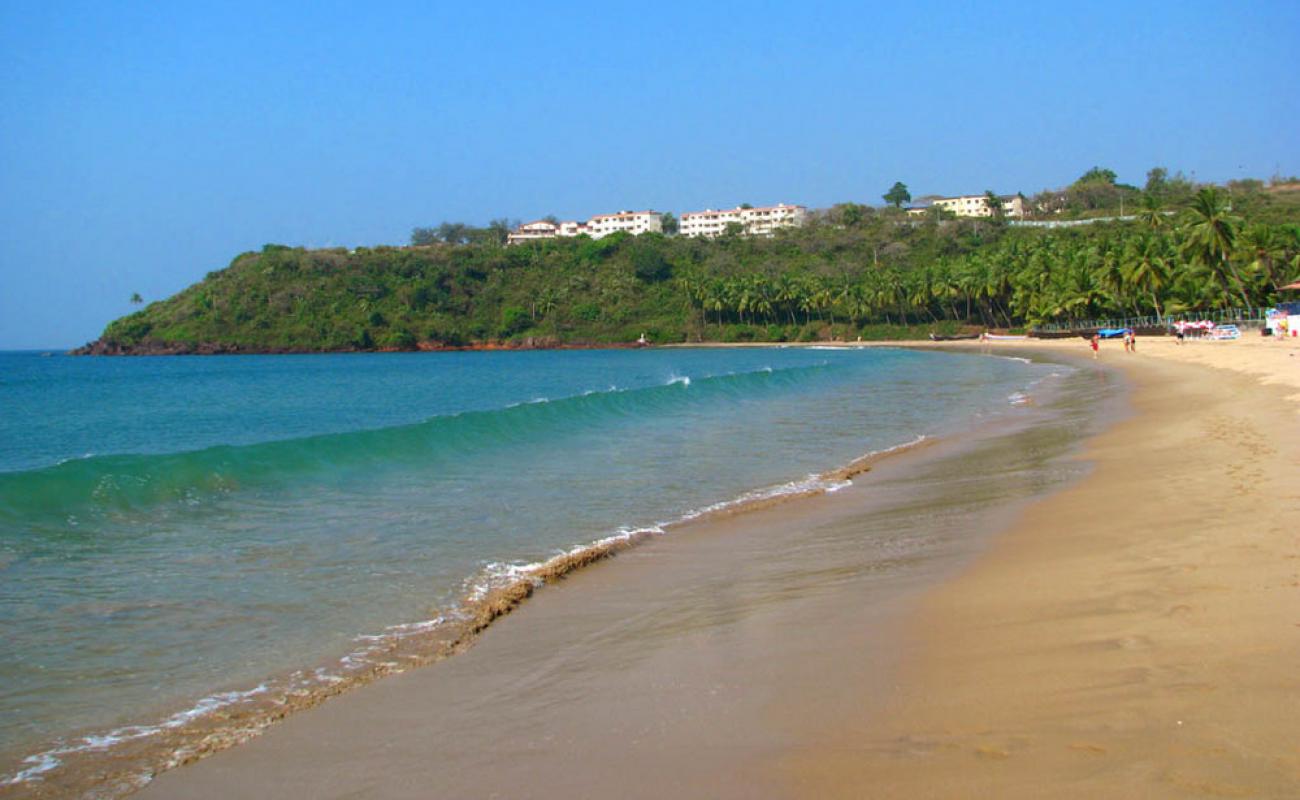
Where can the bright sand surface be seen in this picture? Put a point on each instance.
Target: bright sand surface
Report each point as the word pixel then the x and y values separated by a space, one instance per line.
pixel 1135 635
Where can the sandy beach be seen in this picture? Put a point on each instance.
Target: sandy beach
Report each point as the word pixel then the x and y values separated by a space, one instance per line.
pixel 1132 635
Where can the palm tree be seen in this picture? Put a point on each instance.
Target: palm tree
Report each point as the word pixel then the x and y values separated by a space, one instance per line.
pixel 788 292
pixel 1264 246
pixel 1211 235
pixel 1146 269
pixel 1151 214
pixel 136 299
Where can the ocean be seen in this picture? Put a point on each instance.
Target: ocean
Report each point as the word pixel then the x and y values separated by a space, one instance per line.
pixel 190 541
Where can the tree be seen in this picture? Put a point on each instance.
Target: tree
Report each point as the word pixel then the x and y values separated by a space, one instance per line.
pixel 424 236
pixel 1152 214
pixel 1212 235
pixel 501 228
pixel 1098 175
pixel 1157 182
pixel 994 203
pixel 1146 270
pixel 669 223
pixel 851 214
pixel 1096 190
pixel 897 195
pixel 649 265
pixel 453 232
pixel 484 236
pixel 746 205
pixel 136 299
pixel 1264 247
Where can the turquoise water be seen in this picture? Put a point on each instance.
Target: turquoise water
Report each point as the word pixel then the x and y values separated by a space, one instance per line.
pixel 173 528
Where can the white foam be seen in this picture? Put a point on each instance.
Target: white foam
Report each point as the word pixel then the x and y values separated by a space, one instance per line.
pixel 49 759
pixel 895 448
pixel 324 676
pixel 1018 399
pixel 684 380
pixel 808 485
pixel 411 628
pixel 533 402
pixel 41 763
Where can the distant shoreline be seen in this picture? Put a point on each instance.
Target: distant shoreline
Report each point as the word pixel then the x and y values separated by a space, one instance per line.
pixel 101 348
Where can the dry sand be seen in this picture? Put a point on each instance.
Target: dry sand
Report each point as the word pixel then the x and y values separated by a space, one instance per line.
pixel 1135 636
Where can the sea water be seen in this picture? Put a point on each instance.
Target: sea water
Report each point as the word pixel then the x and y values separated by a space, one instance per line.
pixel 177 533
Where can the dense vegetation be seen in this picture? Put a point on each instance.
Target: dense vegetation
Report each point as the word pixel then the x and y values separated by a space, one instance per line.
pixel 853 271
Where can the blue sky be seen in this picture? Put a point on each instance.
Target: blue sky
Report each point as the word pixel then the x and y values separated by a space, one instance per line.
pixel 145 144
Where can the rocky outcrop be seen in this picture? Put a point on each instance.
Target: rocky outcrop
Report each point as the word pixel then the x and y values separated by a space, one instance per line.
pixel 104 347
pixel 107 347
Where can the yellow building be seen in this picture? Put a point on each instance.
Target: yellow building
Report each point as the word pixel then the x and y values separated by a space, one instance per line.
pixel 975 205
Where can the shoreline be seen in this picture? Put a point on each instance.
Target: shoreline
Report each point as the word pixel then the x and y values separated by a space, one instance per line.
pixel 239 713
pixel 807 759
pixel 650 592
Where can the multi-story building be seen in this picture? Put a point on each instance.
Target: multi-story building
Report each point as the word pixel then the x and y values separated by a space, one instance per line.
pixel 532 231
pixel 753 221
pixel 975 205
pixel 574 229
pixel 634 222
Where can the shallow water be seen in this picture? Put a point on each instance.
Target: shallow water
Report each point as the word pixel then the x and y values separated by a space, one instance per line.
pixel 694 664
pixel 173 528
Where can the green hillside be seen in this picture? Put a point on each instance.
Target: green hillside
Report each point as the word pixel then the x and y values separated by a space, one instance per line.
pixel 853 271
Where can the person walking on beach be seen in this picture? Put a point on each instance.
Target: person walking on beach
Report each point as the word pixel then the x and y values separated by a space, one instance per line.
pixel 1132 341
pixel 1095 343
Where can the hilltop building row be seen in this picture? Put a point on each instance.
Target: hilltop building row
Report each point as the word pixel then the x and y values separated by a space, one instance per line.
pixel 633 222
pixel 761 221
pixel 764 221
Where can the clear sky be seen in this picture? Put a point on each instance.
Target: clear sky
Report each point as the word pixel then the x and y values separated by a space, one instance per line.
pixel 145 144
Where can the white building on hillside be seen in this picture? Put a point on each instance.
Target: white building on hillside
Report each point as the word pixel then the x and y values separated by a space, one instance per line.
pixel 574 229
pixel 532 231
pixel 633 222
pixel 753 221
pixel 975 205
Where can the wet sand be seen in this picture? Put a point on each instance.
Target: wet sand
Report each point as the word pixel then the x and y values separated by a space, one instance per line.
pixel 926 633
